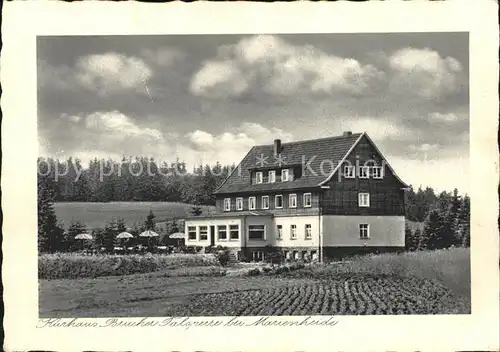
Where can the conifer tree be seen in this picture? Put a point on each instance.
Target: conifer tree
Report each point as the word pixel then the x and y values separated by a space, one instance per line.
pixel 50 233
pixel 150 221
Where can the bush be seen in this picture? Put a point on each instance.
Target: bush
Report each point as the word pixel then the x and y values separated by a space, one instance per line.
pixel 266 270
pixel 223 256
pixel 253 272
pixel 73 266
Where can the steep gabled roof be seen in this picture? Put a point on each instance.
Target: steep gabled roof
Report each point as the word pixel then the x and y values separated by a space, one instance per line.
pixel 330 151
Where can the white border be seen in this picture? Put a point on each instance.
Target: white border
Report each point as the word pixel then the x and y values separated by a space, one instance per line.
pixel 22 21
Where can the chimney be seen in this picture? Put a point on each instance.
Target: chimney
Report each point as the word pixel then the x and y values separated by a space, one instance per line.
pixel 347 133
pixel 277 146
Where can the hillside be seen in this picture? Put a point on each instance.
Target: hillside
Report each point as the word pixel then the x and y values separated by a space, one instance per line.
pixel 96 215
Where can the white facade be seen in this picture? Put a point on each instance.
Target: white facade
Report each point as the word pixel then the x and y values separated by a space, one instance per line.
pixel 344 231
pixel 308 231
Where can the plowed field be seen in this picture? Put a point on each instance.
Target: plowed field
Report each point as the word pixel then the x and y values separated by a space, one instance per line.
pixel 354 296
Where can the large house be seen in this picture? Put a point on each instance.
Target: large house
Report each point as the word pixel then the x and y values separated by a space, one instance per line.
pixel 320 198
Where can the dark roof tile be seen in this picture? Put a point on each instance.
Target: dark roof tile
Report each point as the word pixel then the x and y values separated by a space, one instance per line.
pixel 329 151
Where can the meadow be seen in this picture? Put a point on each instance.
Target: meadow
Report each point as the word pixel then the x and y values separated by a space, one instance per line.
pixel 436 282
pixel 97 215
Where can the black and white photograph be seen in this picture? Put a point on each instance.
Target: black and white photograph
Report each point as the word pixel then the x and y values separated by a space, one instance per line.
pixel 291 177
pixel 250 175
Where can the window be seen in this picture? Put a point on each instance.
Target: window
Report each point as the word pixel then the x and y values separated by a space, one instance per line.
pixel 314 255
pixel 364 231
pixel 234 232
pixel 349 171
pixel 377 171
pixel 308 232
pixel 279 232
pixel 364 172
pixel 364 199
pixel 251 203
pixel 222 231
pixel 192 233
pixel 293 232
pixel 278 201
pixel 272 176
pixel 258 177
pixel 307 200
pixel 258 256
pixel 227 204
pixel 265 202
pixel 203 233
pixel 284 175
pixel 239 203
pixel 256 232
pixel 296 255
pixel 288 255
pixel 292 200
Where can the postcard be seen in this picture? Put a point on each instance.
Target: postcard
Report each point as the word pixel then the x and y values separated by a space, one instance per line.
pixel 245 176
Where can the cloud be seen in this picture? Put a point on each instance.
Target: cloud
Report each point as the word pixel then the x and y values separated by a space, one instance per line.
pixel 425 147
pixel 425 73
pixel 377 128
pixel 107 73
pixel 111 72
pixel 439 117
pixel 108 134
pixel 228 147
pixel 115 123
pixel 112 134
pixel 219 79
pixel 274 66
pixel 165 56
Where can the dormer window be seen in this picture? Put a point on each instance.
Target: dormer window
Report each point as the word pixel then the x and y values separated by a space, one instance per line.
pixel 272 176
pixel 307 200
pixel 278 201
pixel 364 172
pixel 258 177
pixel 239 203
pixel 377 172
pixel 265 202
pixel 349 171
pixel 251 203
pixel 227 204
pixel 284 175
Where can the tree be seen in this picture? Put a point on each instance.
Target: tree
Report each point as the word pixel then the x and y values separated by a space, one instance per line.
pixel 120 226
pixel 463 222
pixel 196 210
pixel 75 228
pixel 150 222
pixel 50 233
pixel 412 242
pixel 106 238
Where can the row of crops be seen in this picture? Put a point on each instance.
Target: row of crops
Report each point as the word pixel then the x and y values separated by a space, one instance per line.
pixel 359 295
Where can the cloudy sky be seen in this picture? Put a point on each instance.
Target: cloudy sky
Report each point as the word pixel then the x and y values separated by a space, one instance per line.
pixel 211 97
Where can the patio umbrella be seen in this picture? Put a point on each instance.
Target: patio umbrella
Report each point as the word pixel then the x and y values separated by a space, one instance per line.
pixel 83 237
pixel 125 235
pixel 177 235
pixel 149 234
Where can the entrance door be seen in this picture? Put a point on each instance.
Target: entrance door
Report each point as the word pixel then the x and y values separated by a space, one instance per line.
pixel 212 235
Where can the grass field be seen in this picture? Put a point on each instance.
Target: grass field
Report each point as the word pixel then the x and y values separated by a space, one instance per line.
pixel 412 283
pixel 95 215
